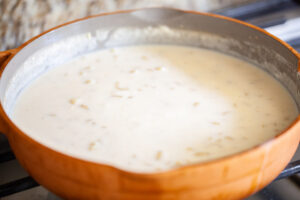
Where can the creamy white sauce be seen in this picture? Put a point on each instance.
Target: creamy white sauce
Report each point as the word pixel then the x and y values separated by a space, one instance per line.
pixel 154 107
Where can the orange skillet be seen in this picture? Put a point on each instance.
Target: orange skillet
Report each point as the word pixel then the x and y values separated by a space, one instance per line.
pixel 232 177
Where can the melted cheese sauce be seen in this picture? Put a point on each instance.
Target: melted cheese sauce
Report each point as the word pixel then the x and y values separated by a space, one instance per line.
pixel 154 107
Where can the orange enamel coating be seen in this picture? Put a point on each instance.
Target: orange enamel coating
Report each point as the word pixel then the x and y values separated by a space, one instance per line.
pixel 5 56
pixel 231 177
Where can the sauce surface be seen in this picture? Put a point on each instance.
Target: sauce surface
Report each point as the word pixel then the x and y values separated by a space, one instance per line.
pixel 154 107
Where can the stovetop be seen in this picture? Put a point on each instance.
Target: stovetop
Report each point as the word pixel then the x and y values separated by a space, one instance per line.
pixel 280 17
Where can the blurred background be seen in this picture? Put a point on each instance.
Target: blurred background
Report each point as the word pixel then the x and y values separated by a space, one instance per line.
pixel 21 20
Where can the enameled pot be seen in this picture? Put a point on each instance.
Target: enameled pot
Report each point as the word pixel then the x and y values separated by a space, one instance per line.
pixel 232 177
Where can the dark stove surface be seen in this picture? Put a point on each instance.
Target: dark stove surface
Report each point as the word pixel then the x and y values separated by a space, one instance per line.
pixel 280 17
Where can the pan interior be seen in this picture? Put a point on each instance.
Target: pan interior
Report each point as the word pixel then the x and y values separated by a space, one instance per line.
pixel 152 26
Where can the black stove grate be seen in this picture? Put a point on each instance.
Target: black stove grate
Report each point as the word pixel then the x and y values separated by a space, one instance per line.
pixel 7 156
pixel 258 9
pixel 290 170
pixel 17 186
